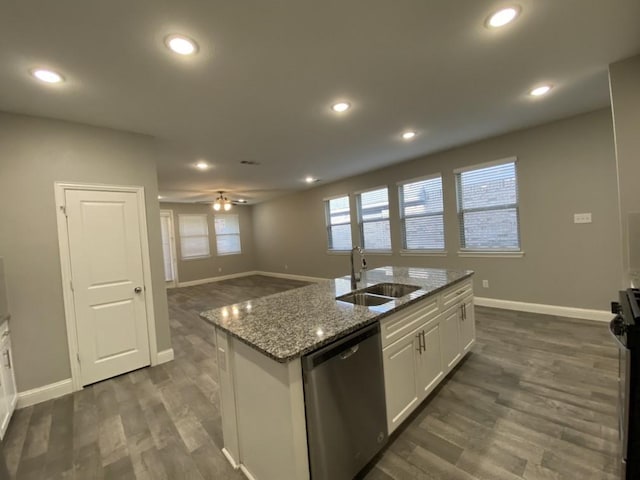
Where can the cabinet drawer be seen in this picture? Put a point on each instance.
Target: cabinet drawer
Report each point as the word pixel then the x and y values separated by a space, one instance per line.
pixel 399 324
pixel 456 293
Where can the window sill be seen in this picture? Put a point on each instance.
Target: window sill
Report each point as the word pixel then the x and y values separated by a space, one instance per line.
pixel 230 253
pixel 338 252
pixel 188 259
pixel 378 252
pixel 489 254
pixel 423 253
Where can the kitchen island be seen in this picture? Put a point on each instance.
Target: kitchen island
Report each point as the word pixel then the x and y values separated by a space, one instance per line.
pixel 260 343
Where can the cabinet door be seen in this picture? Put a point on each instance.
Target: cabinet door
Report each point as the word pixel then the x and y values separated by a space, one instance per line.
pixel 429 361
pixel 401 391
pixel 467 326
pixel 4 409
pixel 8 390
pixel 450 335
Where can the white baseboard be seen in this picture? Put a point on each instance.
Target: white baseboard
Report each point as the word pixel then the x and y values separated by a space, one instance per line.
pixel 247 473
pixel 230 459
pixel 290 276
pixel 202 281
pixel 165 356
pixel 44 393
pixel 571 312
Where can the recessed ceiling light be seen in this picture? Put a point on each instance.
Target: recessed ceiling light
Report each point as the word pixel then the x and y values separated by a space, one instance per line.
pixel 539 91
pixel 160 197
pixel 340 107
pixel 47 76
pixel 502 17
pixel 202 165
pixel 311 179
pixel 409 135
pixel 181 45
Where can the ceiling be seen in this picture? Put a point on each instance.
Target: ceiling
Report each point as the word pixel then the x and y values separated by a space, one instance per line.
pixel 261 86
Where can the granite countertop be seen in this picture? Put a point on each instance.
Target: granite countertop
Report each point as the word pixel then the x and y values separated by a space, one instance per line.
pixel 287 325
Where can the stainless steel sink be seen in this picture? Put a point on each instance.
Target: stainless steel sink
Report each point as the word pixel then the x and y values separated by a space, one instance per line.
pixel 395 290
pixel 366 299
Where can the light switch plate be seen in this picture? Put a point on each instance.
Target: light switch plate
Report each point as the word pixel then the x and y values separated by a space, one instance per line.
pixel 582 218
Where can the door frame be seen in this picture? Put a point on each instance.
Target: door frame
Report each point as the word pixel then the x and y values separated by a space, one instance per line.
pixel 172 246
pixel 65 263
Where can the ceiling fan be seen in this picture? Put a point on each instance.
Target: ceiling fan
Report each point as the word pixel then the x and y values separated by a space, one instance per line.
pixel 222 203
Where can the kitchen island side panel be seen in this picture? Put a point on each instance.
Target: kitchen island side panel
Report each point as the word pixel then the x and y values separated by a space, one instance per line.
pixel 270 415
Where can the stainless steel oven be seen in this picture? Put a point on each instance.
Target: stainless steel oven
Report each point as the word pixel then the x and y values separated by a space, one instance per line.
pixel 625 328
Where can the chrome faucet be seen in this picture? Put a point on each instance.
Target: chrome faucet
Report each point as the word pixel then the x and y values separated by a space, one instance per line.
pixel 356 278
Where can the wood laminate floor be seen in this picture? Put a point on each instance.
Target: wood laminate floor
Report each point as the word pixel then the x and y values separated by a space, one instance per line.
pixel 536 399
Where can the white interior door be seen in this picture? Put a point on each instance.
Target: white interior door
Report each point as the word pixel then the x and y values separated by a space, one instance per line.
pixel 168 247
pixel 107 280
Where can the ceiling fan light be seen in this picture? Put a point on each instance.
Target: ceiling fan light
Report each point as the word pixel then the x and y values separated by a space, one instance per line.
pixel 227 206
pixel 216 206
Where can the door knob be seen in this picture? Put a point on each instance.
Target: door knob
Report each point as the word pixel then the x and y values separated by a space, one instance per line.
pixel 137 289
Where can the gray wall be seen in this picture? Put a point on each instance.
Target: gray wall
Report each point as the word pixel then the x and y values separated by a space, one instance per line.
pixel 624 78
pixel 35 153
pixel 564 167
pixel 214 265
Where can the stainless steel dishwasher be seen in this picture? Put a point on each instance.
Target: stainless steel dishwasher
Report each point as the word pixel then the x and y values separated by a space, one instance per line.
pixel 345 404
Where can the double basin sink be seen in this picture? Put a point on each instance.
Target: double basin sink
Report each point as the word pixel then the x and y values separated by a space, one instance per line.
pixel 378 294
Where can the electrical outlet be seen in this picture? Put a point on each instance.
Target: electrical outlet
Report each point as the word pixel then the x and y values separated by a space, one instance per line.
pixel 485 283
pixel 582 218
pixel 219 269
pixel 286 267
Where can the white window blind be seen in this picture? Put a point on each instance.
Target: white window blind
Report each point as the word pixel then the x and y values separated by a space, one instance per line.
pixel 165 230
pixel 373 219
pixel 338 223
pixel 422 214
pixel 227 234
pixel 488 208
pixel 194 235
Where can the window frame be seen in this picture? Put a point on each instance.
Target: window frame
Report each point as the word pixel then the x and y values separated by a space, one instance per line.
pixel 328 224
pixel 420 251
pixel 180 234
pixel 361 222
pixel 239 252
pixel 496 252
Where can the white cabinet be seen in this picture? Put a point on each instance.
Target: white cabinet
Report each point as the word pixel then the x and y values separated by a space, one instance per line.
pixel 450 322
pixel 467 325
pixel 8 391
pixel 400 373
pixel 442 332
pixel 429 359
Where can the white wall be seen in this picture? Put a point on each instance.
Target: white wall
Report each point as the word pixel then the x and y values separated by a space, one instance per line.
pixel 564 167
pixel 214 265
pixel 624 77
pixel 35 153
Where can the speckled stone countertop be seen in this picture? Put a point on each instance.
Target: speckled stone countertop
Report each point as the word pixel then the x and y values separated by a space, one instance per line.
pixel 287 325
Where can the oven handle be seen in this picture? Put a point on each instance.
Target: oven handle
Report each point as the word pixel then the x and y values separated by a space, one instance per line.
pixel 612 328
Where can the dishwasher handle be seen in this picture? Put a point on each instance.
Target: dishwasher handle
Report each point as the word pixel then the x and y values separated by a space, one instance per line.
pixel 347 353
pixel 343 348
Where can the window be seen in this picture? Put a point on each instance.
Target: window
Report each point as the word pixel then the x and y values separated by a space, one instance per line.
pixel 422 214
pixel 227 234
pixel 338 217
pixel 373 218
pixel 165 231
pixel 488 207
pixel 194 236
